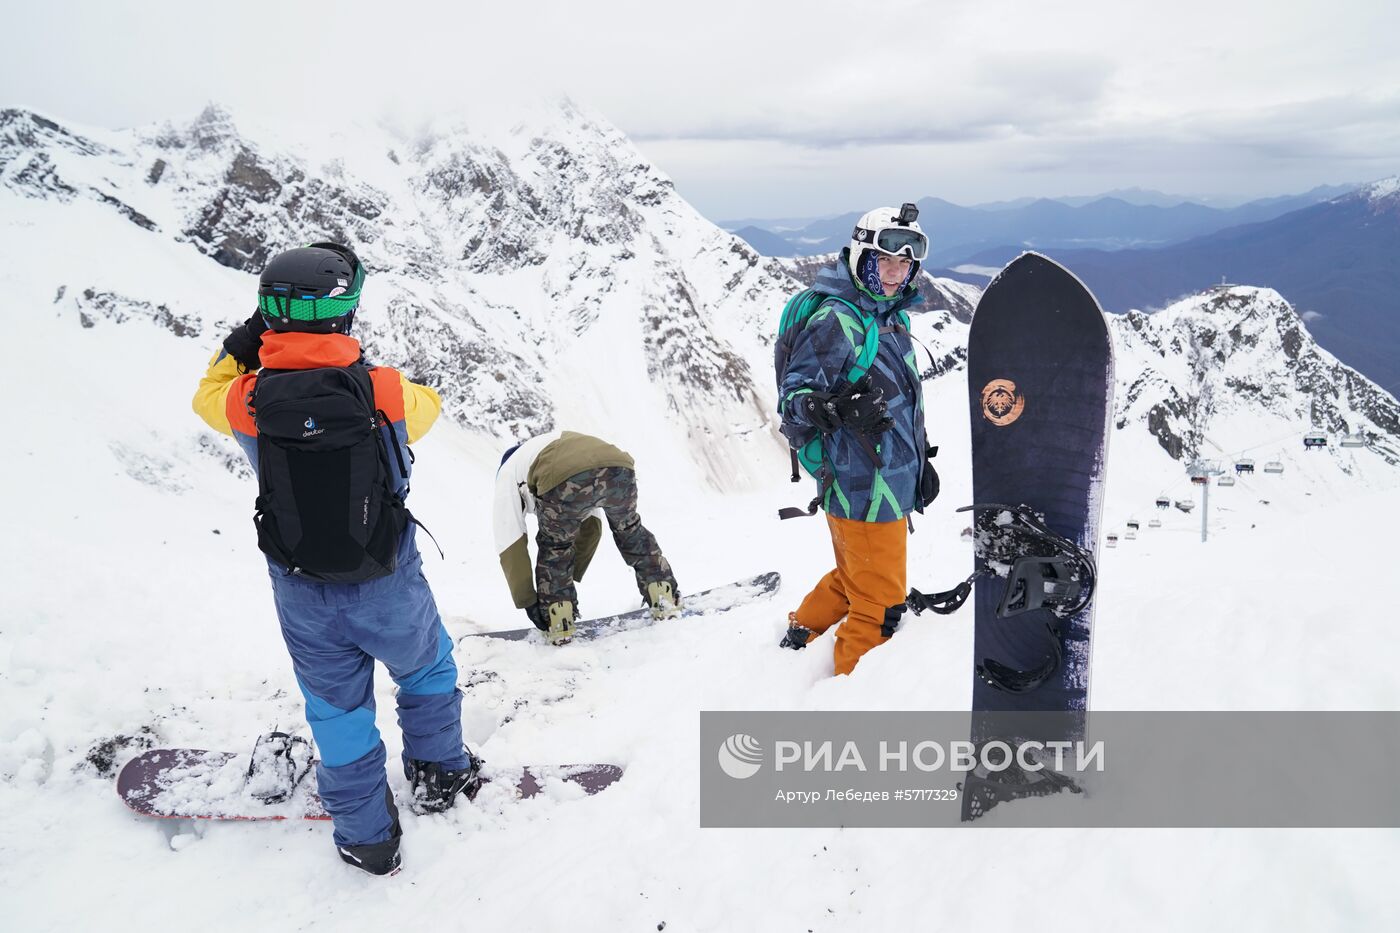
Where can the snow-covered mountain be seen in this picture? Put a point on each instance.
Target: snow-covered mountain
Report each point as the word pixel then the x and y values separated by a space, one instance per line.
pixel 1225 371
pixel 539 274
pixel 545 273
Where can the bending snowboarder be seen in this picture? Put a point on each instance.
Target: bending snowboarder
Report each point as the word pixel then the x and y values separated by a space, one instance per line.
pixel 567 480
pixel 852 406
pixel 328 434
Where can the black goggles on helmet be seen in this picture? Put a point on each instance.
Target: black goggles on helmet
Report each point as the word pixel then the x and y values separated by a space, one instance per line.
pixel 895 241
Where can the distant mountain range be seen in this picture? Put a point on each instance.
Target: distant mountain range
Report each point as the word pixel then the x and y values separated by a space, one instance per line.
pixel 1127 219
pixel 1338 262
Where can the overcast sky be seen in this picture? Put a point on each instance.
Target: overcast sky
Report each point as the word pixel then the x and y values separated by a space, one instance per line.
pixel 770 109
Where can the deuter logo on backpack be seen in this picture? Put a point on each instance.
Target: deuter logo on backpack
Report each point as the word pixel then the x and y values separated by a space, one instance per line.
pixel 311 429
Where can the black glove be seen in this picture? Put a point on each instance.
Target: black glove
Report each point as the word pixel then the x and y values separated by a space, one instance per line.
pixel 796 636
pixel 928 479
pixel 538 617
pixel 245 341
pixel 859 407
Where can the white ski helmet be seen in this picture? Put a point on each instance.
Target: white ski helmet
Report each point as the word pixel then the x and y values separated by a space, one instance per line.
pixel 888 230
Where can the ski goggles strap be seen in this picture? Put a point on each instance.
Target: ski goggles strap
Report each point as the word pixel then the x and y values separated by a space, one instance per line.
pixel 287 301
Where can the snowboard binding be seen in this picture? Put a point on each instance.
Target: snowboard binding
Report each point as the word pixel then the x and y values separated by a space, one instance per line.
pixel 1043 570
pixel 279 763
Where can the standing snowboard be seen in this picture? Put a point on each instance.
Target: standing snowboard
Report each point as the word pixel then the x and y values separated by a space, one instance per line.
pixel 1040 392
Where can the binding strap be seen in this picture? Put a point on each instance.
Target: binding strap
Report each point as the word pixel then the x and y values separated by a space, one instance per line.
pixel 944 603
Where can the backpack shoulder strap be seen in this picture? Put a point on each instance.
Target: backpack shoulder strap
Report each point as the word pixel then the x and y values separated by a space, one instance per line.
pixel 870 341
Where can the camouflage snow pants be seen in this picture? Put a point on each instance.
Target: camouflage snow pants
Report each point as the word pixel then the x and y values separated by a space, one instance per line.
pixel 562 512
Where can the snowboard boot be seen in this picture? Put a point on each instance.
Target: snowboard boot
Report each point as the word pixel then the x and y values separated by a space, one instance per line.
pixel 663 600
pixel 561 623
pixel 796 636
pixel 435 788
pixel 377 858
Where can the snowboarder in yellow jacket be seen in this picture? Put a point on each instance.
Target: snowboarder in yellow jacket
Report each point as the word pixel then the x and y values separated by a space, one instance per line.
pixel 327 434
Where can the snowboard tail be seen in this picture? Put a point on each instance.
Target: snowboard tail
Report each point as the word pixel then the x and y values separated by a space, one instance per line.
pixel 191 783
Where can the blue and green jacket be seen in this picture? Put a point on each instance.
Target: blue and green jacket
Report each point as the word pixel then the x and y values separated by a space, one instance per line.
pixel 822 355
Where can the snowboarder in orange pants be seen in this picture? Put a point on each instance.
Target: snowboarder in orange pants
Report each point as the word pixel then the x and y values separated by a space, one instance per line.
pixel 853 412
pixel 867 588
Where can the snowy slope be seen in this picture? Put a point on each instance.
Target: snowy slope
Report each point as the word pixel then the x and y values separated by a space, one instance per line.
pixel 536 273
pixel 135 610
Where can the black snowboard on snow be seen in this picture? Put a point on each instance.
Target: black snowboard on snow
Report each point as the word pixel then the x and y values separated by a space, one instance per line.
pixel 1040 387
pixel 709 602
pixel 191 783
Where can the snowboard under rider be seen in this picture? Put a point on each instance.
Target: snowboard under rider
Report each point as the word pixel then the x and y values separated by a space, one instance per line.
pixel 872 431
pixel 568 480
pixel 334 631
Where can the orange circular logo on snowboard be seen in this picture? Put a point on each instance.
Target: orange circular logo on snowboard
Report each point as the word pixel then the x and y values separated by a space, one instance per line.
pixel 1001 403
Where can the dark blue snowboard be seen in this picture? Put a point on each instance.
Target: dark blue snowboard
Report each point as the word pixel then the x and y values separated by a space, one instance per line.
pixel 1040 388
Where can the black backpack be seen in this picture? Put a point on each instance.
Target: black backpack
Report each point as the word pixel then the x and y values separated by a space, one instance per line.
pixel 327 507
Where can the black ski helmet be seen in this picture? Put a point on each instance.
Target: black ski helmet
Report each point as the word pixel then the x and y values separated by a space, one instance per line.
pixel 311 289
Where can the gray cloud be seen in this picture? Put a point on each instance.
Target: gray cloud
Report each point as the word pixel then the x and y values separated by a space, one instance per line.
pixel 785 107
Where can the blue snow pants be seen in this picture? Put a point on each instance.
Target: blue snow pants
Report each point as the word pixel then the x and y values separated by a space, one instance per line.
pixel 335 632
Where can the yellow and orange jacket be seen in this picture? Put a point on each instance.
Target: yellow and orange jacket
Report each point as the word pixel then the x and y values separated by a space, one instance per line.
pixel 224 394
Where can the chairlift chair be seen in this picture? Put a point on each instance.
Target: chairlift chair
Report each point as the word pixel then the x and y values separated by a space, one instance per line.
pixel 1314 439
pixel 1273 466
pixel 1163 502
pixel 1244 466
pixel 1226 480
pixel 1155 523
pixel 1185 505
pixel 1354 440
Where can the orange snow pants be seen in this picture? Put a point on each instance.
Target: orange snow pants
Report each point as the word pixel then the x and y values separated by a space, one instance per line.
pixel 868 587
